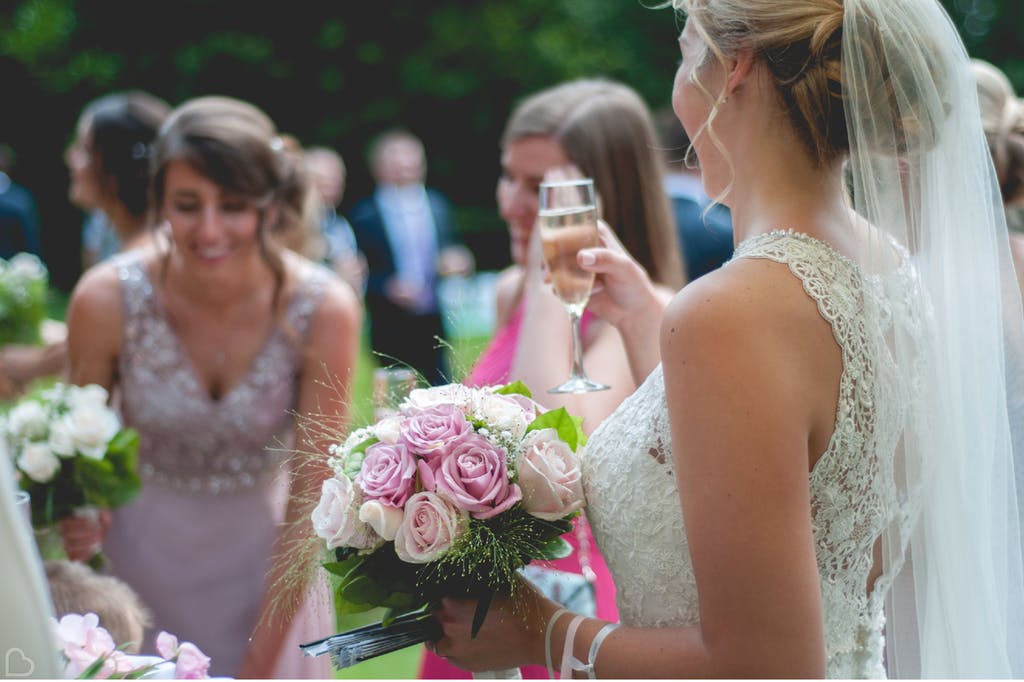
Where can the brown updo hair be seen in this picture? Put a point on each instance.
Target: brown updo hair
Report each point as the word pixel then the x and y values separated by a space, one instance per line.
pixel 235 145
pixel 1002 117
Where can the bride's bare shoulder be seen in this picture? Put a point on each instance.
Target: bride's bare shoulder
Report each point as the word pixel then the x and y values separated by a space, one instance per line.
pixel 744 292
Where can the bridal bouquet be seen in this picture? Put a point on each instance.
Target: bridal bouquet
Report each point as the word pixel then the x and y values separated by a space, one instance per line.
pixel 23 288
pixel 70 453
pixel 451 496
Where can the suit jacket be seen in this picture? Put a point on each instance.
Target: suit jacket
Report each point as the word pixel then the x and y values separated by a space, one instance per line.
pixel 372 237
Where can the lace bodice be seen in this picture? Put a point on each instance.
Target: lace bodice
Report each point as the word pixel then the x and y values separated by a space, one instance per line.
pixel 188 441
pixel 633 499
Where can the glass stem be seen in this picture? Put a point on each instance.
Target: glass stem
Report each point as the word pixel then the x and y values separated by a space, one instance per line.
pixel 577 345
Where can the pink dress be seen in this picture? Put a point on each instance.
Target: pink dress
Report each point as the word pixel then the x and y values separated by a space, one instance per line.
pixel 196 543
pixel 494 366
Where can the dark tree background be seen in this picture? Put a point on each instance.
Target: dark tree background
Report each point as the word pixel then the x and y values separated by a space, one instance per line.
pixel 336 72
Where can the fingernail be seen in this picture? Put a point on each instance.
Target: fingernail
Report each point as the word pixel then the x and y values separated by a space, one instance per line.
pixel 587 258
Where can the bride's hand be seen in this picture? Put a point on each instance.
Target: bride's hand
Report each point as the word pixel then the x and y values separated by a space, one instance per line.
pixel 509 637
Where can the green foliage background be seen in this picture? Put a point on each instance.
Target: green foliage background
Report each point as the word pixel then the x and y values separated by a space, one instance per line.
pixel 336 72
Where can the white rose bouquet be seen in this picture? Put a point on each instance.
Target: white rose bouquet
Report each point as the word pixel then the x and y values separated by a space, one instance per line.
pixel 23 288
pixel 451 496
pixel 70 452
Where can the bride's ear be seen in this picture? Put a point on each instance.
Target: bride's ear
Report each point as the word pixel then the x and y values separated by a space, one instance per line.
pixel 741 69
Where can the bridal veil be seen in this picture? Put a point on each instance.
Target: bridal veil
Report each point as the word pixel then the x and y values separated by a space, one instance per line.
pixel 920 170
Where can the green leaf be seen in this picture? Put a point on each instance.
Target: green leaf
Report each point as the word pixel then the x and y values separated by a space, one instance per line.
pixel 555 549
pixel 363 589
pixel 569 428
pixel 344 568
pixel 344 606
pixel 515 387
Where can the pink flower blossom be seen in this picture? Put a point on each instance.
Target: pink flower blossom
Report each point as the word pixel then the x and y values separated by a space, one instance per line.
pixel 550 477
pixel 474 475
pixel 83 642
pixel 190 663
pixel 388 473
pixel 336 517
pixel 430 527
pixel 432 432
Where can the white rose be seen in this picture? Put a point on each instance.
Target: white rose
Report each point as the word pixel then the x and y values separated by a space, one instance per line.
pixel 27 265
pixel 387 429
pixel 92 427
pixel 383 519
pixel 502 414
pixel 420 399
pixel 61 441
pixel 28 419
pixel 38 462
pixel 92 395
pixel 549 476
pixel 335 518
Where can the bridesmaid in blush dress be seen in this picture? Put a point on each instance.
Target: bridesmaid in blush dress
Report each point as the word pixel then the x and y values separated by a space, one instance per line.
pixel 212 348
pixel 605 130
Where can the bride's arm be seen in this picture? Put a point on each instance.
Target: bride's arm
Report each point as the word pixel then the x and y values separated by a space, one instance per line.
pixel 744 400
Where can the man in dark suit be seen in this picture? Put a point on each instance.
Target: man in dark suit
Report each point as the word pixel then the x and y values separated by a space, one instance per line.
pixel 406 234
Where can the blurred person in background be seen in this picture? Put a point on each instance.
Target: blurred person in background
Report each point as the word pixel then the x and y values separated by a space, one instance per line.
pixel 216 345
pixel 108 165
pixel 328 173
pixel 407 234
pixel 19 215
pixel 705 228
pixel 604 129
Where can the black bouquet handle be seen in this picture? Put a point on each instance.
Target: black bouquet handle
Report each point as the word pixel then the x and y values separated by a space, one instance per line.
pixel 363 643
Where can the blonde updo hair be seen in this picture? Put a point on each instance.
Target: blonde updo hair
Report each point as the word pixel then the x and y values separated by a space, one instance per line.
pixel 800 42
pixel 1002 117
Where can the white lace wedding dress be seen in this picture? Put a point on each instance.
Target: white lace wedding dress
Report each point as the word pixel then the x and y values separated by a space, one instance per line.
pixel 633 500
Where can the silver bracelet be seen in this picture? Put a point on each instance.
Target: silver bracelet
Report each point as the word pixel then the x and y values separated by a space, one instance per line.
pixel 547 640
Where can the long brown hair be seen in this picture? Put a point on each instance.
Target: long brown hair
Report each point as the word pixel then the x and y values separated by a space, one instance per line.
pixel 605 128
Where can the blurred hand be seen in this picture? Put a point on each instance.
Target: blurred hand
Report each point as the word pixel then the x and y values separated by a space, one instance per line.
pixel 455 261
pixel 83 535
pixel 623 291
pixel 401 293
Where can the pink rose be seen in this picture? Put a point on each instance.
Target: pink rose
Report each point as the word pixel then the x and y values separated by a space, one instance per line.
pixel 189 662
pixel 430 527
pixel 336 517
pixel 433 431
pixel 549 475
pixel 388 473
pixel 474 475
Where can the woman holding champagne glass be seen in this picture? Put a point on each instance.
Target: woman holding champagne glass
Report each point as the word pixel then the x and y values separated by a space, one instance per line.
pixel 602 130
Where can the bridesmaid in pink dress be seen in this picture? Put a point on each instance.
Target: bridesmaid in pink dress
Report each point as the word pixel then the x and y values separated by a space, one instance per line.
pixel 604 129
pixel 211 345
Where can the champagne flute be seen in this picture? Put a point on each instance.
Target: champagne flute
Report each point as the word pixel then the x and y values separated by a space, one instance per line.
pixel 567 219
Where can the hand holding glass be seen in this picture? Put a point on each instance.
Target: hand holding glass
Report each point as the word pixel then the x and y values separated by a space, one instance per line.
pixel 567 219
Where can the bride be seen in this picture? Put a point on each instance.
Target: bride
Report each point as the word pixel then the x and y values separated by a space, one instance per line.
pixel 816 476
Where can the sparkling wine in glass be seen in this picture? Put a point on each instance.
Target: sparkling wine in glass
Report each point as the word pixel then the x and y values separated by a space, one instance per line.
pixel 567 220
